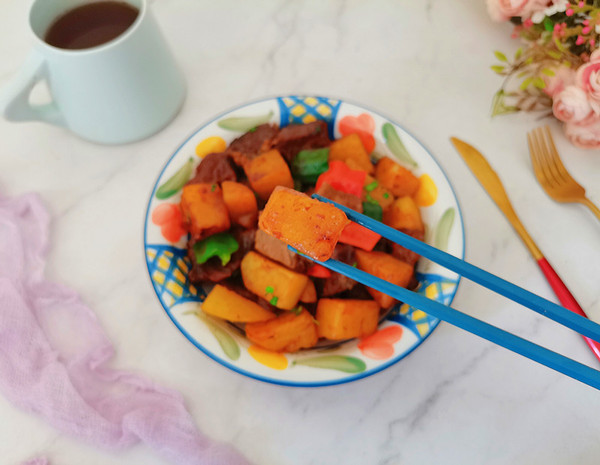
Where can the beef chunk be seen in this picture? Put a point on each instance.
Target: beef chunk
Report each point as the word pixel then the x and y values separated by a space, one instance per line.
pixel 274 249
pixel 213 270
pixel 296 137
pixel 252 143
pixel 402 253
pixel 215 167
pixel 348 200
pixel 337 283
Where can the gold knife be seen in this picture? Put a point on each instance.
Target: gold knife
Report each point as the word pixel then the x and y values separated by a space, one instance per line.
pixel 490 181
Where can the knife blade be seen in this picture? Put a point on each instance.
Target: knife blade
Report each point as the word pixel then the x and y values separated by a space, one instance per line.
pixel 490 181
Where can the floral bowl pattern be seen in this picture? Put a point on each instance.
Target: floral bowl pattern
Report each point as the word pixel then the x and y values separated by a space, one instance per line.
pixel 404 328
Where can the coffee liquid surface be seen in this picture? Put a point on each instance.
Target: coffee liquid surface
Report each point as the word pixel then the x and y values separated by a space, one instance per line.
pixel 91 25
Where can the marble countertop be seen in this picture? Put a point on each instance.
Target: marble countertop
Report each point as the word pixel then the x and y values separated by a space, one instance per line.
pixel 457 399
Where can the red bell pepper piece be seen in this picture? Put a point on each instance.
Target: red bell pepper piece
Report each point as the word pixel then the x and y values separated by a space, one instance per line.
pixel 342 178
pixel 359 236
pixel 318 271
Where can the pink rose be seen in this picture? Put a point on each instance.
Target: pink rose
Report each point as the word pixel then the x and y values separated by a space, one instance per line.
pixel 588 78
pixel 572 106
pixel 563 77
pixel 586 136
pixel 503 10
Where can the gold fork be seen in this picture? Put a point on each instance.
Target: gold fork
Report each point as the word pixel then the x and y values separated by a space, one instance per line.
pixel 551 173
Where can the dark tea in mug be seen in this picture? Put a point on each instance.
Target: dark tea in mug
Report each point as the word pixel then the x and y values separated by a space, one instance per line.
pixel 91 24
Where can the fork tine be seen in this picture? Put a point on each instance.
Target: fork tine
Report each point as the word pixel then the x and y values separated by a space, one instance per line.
pixel 534 152
pixel 540 156
pixel 561 171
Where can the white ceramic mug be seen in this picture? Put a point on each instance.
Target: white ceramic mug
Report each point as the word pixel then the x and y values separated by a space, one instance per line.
pixel 120 91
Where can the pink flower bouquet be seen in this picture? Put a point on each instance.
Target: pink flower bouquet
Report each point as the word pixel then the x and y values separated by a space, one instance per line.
pixel 557 70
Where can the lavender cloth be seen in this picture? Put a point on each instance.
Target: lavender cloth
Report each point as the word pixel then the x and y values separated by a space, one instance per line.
pixel 54 358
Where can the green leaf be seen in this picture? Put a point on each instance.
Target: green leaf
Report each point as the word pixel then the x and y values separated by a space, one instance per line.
pixel 554 54
pixel 539 83
pixel 343 363
pixel 244 123
pixel 501 56
pixel 227 343
pixel 548 24
pixel 518 53
pixel 499 69
pixel 529 61
pixel 176 182
pixel 443 229
pixel 394 143
pixel 548 72
pixel 526 82
pixel 497 103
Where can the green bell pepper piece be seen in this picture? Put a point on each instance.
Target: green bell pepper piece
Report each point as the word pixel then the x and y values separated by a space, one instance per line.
pixel 308 165
pixel 220 245
pixel 373 210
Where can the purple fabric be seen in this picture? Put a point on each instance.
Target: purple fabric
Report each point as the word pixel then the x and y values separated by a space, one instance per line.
pixel 54 358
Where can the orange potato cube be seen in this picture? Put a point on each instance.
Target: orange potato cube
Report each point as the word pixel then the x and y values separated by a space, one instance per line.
pixel 310 226
pixel 309 294
pixel 404 214
pixel 346 318
pixel 241 203
pixel 273 282
pixel 229 305
pixel 267 171
pixel 350 150
pixel 386 267
pixel 379 193
pixel 396 178
pixel 204 211
pixel 286 333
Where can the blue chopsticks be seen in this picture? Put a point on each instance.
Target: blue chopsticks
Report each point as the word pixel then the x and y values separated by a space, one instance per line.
pixel 493 334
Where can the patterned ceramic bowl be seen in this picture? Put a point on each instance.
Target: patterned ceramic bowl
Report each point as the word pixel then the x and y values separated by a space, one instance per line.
pixel 404 329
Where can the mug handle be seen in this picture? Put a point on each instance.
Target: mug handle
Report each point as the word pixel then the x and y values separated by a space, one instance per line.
pixel 14 97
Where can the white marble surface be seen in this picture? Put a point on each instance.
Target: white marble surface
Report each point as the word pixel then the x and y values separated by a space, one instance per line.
pixel 457 399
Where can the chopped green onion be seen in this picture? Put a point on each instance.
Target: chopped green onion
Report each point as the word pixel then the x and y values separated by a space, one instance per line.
pixel 213 187
pixel 297 310
pixel 370 199
pixel 274 300
pixel 371 186
pixel 386 195
pixel 269 290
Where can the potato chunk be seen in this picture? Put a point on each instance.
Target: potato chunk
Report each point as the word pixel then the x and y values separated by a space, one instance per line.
pixel 350 148
pixel 286 333
pixel 396 178
pixel 346 318
pixel 241 203
pixel 386 267
pixel 267 171
pixel 229 305
pixel 204 211
pixel 310 226
pixel 404 214
pixel 271 281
